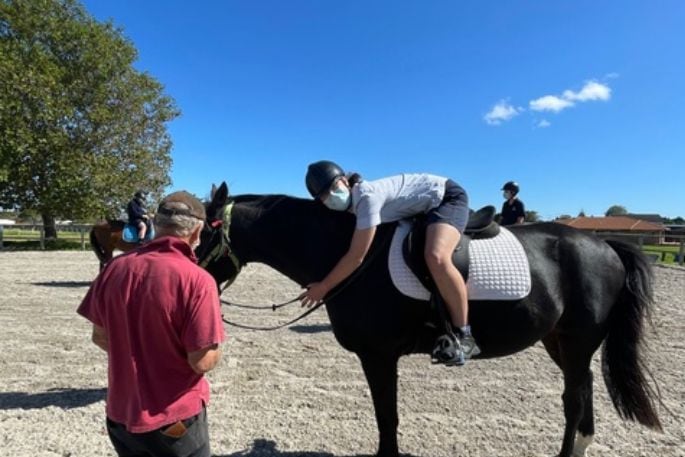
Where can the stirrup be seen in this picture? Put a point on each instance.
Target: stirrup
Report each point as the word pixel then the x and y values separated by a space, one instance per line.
pixel 448 351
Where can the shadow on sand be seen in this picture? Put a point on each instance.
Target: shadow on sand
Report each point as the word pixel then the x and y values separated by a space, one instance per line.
pixel 62 398
pixel 268 448
pixel 314 328
pixel 63 284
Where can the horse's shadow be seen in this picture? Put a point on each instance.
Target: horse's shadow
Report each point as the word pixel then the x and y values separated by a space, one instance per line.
pixel 63 284
pixel 268 448
pixel 62 398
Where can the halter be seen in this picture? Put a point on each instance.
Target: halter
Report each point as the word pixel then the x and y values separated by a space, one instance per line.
pixel 223 248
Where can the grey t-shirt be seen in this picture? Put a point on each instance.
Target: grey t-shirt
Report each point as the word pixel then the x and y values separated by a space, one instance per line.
pixel 397 197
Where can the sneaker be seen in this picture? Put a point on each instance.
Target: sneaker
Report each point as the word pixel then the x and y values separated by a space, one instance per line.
pixel 448 351
pixel 469 346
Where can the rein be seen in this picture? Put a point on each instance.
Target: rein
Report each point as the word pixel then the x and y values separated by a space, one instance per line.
pixel 336 292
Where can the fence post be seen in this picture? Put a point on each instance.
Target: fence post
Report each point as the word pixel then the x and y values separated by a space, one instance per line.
pixel 2 229
pixel 42 238
pixel 83 240
pixel 681 260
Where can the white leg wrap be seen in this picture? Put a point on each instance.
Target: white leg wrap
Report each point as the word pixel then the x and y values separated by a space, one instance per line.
pixel 581 444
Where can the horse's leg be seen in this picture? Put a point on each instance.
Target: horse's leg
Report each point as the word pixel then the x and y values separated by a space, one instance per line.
pixel 381 374
pixel 586 427
pixel 577 397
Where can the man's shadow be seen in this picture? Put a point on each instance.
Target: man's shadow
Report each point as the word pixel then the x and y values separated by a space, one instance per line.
pixel 66 284
pixel 267 448
pixel 313 328
pixel 62 398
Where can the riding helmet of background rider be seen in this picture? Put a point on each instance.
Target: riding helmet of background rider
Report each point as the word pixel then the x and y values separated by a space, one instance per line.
pixel 512 187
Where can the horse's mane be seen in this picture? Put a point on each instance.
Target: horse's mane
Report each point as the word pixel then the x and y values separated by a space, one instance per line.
pixel 294 206
pixel 307 215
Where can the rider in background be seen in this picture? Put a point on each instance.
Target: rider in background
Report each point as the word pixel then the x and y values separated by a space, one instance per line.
pixel 137 213
pixel 513 210
pixel 390 199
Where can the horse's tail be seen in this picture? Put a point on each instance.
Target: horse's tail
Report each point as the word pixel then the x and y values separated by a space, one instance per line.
pixel 96 247
pixel 622 360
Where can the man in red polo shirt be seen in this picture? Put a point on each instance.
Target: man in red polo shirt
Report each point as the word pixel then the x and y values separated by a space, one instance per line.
pixel 157 315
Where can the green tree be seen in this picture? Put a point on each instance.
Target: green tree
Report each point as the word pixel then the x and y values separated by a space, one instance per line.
pixel 80 128
pixel 616 210
pixel 532 216
pixel 675 221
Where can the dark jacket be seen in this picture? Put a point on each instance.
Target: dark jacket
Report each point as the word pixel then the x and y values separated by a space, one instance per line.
pixel 136 210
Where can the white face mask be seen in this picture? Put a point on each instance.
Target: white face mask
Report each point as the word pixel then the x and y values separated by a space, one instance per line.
pixel 506 194
pixel 338 199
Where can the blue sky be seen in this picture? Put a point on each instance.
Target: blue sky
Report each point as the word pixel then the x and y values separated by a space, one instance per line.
pixel 580 102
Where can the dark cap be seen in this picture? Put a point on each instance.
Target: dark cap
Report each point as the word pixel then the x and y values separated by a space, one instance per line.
pixel 196 208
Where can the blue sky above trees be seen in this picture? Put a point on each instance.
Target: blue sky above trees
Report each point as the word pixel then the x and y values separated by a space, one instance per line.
pixel 577 101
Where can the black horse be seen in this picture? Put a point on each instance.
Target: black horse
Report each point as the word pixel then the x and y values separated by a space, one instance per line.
pixel 585 291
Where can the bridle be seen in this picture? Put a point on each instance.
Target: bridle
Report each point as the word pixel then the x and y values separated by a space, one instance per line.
pixel 224 249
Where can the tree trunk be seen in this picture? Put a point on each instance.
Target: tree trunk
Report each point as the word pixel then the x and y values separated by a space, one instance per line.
pixel 49 226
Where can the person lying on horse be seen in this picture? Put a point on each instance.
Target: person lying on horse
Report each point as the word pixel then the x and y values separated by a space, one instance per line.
pixel 137 214
pixel 445 205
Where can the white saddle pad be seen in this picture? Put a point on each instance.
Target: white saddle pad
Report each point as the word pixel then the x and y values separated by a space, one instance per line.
pixel 498 268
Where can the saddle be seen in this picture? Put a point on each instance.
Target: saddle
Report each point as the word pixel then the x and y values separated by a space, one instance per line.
pixel 481 225
pixel 130 233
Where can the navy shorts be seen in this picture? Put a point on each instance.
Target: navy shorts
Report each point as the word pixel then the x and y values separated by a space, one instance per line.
pixel 454 208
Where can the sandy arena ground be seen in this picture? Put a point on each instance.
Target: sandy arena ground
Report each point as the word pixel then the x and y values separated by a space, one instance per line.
pixel 295 392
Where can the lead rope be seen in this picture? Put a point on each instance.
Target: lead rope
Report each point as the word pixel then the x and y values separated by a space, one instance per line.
pixel 335 293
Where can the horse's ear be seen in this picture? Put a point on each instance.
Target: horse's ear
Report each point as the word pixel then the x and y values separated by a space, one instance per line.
pixel 219 196
pixel 211 194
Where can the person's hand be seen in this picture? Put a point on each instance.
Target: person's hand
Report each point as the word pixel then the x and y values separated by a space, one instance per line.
pixel 314 294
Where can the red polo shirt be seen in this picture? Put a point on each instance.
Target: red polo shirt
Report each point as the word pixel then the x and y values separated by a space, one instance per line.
pixel 156 305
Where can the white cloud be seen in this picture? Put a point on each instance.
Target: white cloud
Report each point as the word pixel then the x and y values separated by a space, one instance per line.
pixel 592 90
pixel 502 111
pixel 550 103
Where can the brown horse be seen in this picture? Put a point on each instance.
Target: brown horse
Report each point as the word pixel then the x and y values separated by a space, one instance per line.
pixel 105 237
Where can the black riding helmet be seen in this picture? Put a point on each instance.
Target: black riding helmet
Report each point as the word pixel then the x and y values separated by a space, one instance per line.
pixel 320 176
pixel 141 194
pixel 511 186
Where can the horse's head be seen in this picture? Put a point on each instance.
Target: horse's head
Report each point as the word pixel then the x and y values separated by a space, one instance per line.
pixel 215 253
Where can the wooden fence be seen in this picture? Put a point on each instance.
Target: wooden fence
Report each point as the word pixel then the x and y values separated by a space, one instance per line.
pixel 642 239
pixel 639 239
pixel 37 232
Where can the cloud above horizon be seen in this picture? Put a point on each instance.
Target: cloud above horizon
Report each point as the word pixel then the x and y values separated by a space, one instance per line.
pixel 592 90
pixel 502 111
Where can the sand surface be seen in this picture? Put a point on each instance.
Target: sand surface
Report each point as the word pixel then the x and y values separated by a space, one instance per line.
pixel 296 392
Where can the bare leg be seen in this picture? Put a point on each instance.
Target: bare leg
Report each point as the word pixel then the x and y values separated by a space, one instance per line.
pixel 142 230
pixel 441 241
